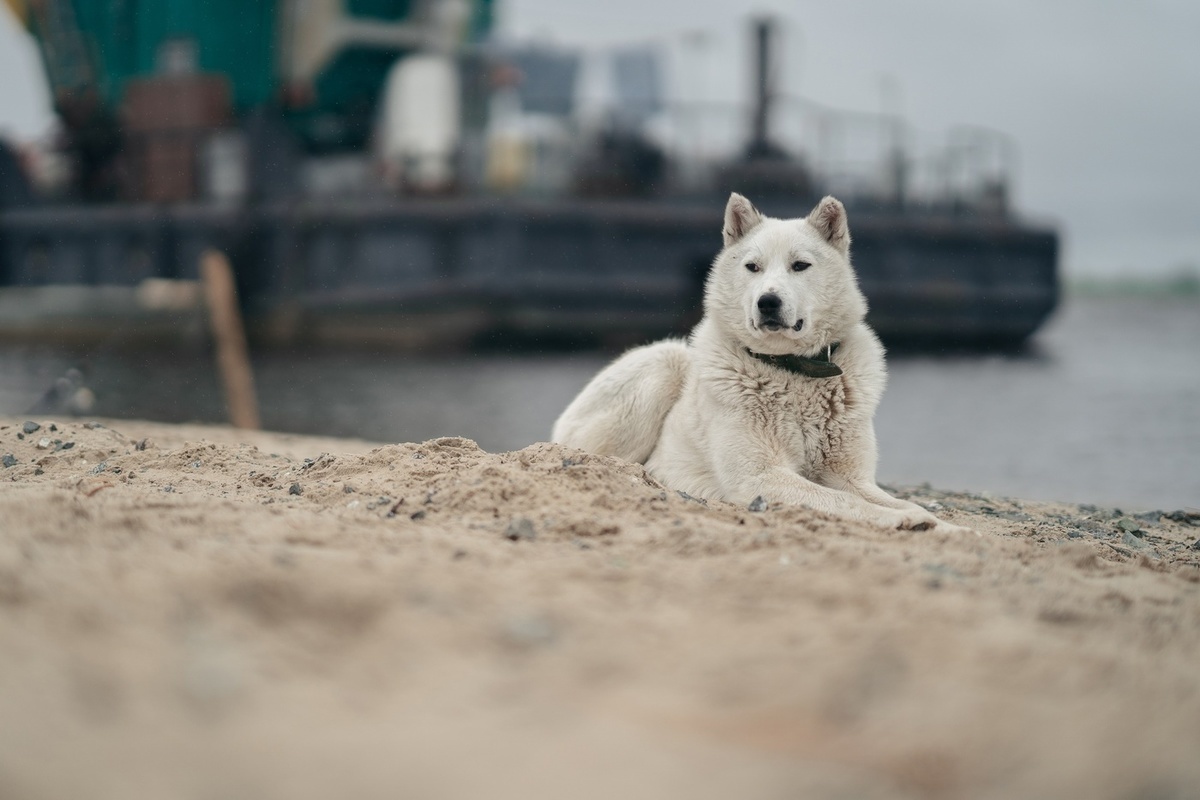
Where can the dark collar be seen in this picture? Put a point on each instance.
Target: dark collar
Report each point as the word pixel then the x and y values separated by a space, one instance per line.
pixel 819 366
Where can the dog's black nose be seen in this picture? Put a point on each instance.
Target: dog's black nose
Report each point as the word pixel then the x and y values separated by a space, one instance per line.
pixel 769 305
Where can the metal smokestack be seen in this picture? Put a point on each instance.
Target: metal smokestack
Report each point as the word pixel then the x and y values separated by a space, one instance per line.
pixel 765 169
pixel 760 146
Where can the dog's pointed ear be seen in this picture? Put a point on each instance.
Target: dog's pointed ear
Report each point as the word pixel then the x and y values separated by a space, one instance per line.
pixel 740 217
pixel 829 219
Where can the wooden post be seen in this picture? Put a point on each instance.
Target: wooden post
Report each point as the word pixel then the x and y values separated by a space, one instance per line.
pixel 233 355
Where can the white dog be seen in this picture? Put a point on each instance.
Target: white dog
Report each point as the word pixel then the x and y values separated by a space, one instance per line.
pixel 774 393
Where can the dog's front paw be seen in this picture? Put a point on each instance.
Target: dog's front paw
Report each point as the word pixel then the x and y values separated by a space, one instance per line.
pixel 915 520
pixel 950 527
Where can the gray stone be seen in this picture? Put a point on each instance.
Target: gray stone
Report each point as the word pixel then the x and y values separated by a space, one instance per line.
pixel 528 630
pixel 30 427
pixel 1129 526
pixel 520 528
pixel 1129 540
pixel 9 460
pixel 757 504
pixel 295 489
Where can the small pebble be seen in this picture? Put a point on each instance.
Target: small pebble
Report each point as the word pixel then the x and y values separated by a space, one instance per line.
pixel 758 504
pixel 30 427
pixel 1129 526
pixel 295 489
pixel 9 460
pixel 520 528
pixel 1130 540
pixel 529 630
pixel 43 443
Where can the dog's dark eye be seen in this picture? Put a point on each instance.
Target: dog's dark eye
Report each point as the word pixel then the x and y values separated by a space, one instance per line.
pixel 750 265
pixel 800 266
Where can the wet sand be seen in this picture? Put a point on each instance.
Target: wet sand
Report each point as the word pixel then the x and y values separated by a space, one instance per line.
pixel 194 612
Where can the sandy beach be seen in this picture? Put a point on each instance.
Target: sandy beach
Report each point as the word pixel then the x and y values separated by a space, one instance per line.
pixel 197 612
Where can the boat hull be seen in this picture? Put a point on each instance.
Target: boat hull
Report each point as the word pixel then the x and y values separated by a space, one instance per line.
pixel 454 270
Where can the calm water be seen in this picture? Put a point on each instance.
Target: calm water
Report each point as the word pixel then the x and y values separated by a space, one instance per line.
pixel 1106 409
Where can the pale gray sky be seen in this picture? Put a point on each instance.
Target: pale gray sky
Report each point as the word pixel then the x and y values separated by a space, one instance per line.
pixel 1103 97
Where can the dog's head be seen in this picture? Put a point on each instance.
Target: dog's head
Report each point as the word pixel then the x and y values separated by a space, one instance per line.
pixel 784 285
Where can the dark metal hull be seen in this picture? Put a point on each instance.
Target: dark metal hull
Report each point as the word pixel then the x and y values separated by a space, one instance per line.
pixel 460 268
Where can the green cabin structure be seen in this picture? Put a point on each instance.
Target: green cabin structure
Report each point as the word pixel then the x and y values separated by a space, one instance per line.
pixel 321 62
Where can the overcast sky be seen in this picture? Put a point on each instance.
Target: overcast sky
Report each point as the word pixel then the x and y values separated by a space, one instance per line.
pixel 1103 97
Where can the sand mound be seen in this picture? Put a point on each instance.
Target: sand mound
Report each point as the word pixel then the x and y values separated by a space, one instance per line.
pixel 196 612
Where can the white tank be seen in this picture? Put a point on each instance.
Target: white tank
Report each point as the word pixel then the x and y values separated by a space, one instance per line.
pixel 26 108
pixel 420 122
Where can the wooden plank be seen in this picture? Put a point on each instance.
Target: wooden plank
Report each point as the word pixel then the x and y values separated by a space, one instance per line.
pixel 233 354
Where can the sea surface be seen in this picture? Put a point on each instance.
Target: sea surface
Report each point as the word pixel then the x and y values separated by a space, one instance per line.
pixel 1103 408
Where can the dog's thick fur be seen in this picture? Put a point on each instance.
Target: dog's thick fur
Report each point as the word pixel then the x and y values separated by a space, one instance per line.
pixel 708 418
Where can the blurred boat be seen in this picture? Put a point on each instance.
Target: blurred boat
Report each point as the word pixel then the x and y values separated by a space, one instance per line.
pixel 377 172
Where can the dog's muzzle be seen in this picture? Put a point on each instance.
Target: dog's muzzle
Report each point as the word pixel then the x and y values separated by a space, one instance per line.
pixel 770 317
